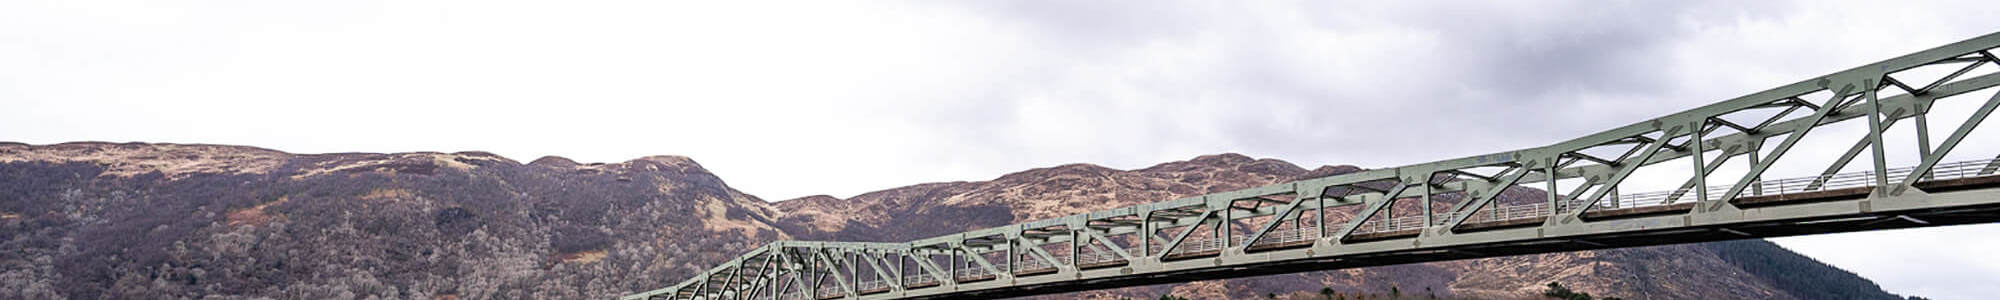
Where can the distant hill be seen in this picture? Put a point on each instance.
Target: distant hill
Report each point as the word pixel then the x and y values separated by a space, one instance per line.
pixel 172 221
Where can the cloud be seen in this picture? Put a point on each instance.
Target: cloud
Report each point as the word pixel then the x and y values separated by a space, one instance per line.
pixel 1300 80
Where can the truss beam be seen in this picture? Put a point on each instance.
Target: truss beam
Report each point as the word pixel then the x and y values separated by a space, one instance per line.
pixel 1350 220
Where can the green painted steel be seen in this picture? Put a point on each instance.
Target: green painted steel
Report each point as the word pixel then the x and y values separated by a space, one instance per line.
pixel 1351 220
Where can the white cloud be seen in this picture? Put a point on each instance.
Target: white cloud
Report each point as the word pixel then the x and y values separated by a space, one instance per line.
pixel 788 99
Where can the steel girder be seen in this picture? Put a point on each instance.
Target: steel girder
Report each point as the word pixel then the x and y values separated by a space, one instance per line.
pixel 1361 218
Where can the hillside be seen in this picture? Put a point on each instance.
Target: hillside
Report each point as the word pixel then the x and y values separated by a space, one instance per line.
pixel 170 221
pixel 160 221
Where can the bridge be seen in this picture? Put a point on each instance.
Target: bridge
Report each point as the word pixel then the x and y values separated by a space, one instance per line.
pixel 1561 197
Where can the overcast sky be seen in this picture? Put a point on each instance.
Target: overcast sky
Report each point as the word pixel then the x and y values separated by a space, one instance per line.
pixel 788 99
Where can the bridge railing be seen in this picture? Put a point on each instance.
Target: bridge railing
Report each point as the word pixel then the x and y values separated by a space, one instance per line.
pixel 919 279
pixel 871 285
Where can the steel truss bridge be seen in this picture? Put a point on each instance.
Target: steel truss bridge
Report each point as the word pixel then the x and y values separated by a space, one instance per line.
pixel 1471 207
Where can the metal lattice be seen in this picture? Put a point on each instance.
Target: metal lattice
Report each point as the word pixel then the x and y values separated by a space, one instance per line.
pixel 1362 218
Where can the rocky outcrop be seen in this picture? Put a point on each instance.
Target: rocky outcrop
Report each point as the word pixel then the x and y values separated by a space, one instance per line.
pixel 554 162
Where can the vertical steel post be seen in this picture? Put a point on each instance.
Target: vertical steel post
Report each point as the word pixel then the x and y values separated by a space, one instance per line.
pixel 1756 183
pixel 1551 191
pixel 1076 243
pixel 1222 232
pixel 1146 230
pixel 1700 167
pixel 1321 220
pixel 1875 133
pixel 1426 206
pixel 1013 261
pixel 1924 135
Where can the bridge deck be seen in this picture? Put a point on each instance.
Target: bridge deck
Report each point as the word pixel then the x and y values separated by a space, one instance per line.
pixel 1983 213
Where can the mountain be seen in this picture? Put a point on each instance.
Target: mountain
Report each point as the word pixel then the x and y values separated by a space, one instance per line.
pixel 172 221
pixel 165 221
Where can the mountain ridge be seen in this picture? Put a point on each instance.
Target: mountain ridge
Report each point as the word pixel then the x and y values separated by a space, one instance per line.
pixel 425 225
